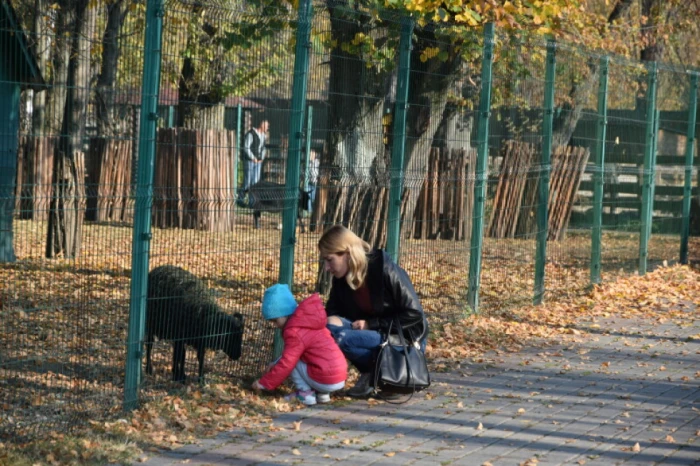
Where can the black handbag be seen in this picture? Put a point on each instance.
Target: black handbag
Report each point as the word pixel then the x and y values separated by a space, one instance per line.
pixel 401 366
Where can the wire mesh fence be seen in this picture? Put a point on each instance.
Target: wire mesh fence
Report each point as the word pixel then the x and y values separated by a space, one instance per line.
pixel 208 147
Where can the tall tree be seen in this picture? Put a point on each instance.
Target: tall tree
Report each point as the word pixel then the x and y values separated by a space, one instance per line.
pixel 107 78
pixel 582 89
pixel 360 66
pixel 66 211
pixel 444 40
pixel 226 49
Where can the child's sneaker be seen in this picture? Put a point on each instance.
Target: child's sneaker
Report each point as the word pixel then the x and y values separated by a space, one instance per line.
pixel 308 397
pixel 323 397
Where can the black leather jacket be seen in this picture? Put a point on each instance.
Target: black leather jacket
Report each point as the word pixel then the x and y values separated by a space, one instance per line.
pixel 391 293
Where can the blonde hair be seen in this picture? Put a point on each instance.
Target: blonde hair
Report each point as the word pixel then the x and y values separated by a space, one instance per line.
pixel 337 240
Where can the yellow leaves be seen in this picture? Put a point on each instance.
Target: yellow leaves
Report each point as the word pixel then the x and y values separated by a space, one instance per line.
pixel 470 17
pixel 358 39
pixel 508 7
pixel 428 53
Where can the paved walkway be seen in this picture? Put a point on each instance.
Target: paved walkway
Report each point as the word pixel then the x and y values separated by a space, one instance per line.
pixel 630 396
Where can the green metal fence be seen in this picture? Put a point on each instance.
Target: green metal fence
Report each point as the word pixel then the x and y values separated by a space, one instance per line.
pixel 499 169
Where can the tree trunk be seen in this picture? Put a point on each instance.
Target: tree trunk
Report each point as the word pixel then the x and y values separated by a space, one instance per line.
pixel 201 95
pixel 107 124
pixel 201 103
pixel 67 201
pixel 355 148
pixel 428 94
pixel 66 211
pixel 57 92
pixel 653 48
pixel 563 128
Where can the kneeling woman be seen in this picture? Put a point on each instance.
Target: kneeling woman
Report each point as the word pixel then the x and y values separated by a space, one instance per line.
pixel 369 290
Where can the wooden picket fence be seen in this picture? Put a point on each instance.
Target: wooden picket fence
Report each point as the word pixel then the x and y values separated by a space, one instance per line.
pixel 193 182
pixel 513 175
pixel 514 207
pixel 34 177
pixel 109 196
pixel 445 203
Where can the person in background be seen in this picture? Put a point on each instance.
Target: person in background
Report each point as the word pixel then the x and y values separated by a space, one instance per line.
pixel 310 357
pixel 368 291
pixel 252 155
pixel 312 177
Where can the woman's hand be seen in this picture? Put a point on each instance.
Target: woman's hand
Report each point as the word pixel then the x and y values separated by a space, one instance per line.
pixel 360 325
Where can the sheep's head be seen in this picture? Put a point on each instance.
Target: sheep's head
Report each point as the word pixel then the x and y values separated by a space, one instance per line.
pixel 234 336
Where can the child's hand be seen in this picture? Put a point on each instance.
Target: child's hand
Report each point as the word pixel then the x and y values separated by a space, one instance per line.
pixel 257 387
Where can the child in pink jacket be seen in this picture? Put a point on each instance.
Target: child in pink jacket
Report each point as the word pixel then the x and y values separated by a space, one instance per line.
pixel 311 356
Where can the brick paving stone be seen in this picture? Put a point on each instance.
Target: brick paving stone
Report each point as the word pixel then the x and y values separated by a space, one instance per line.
pixel 589 402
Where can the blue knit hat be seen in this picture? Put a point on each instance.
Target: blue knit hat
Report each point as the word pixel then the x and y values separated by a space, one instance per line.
pixel 278 301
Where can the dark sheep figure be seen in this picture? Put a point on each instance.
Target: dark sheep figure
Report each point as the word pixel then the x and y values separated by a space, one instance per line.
pixel 266 196
pixel 181 309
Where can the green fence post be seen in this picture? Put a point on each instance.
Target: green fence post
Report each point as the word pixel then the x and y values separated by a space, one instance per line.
pixel 480 172
pixel 689 150
pixel 296 136
pixel 648 174
pixel 144 199
pixel 545 170
pixel 599 170
pixel 398 145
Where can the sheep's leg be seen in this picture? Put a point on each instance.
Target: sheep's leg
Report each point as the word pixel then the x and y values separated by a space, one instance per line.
pixel 256 219
pixel 179 361
pixel 200 358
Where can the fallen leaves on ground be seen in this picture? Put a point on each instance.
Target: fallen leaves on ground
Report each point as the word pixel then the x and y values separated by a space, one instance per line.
pixel 185 415
pixel 666 294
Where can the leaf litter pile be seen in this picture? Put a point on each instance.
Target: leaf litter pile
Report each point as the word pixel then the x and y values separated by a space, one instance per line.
pixel 56 335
